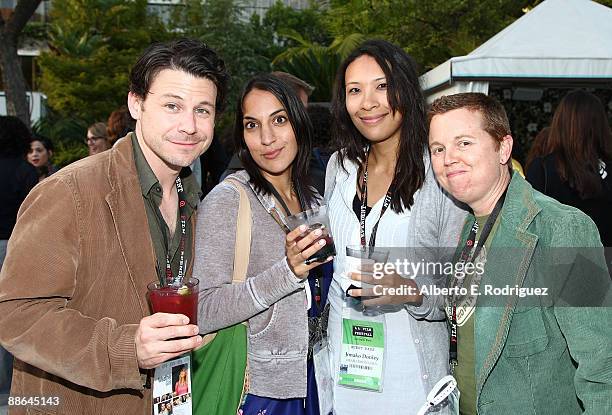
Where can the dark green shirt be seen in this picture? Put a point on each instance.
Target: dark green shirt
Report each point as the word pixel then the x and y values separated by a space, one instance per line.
pixel 164 243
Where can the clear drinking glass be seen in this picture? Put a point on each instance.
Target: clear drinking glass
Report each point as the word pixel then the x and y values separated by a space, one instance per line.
pixel 358 259
pixel 315 219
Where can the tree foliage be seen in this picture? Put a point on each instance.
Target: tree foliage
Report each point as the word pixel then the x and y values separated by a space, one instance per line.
pixel 315 63
pixel 93 44
pixel 281 19
pixel 430 31
pixel 246 46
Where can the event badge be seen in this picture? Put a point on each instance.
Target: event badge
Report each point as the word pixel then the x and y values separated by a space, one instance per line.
pixel 172 387
pixel 363 351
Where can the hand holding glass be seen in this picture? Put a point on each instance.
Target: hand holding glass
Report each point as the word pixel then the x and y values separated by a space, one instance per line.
pixel 181 300
pixel 315 219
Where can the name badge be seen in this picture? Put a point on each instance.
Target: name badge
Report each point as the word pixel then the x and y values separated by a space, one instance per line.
pixel 172 387
pixel 362 354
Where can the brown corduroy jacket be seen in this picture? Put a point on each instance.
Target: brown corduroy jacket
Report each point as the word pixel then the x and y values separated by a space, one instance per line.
pixel 73 289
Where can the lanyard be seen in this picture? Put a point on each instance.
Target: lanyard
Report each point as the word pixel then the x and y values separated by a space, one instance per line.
pixel 278 197
pixel 317 278
pixel 364 201
pixel 464 257
pixel 274 212
pixel 178 280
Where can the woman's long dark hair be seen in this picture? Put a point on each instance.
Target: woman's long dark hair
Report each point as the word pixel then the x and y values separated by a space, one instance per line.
pixel 539 147
pixel 580 137
pixel 405 95
pixel 302 128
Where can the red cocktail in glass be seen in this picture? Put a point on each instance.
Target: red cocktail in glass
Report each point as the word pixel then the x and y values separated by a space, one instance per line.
pixel 182 300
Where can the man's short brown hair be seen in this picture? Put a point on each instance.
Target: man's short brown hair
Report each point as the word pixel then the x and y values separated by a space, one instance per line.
pixel 494 117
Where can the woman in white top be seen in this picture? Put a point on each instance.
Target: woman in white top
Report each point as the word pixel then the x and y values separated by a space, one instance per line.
pixel 380 126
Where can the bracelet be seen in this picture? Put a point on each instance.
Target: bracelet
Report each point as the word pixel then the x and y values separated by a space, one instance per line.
pixel 441 390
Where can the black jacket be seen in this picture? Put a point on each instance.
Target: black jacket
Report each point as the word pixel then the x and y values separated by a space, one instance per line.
pixel 17 178
pixel 543 176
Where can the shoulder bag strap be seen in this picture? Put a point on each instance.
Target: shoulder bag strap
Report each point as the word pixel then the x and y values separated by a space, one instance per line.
pixel 242 253
pixel 242 247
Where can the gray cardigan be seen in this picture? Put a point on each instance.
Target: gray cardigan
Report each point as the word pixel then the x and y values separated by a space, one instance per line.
pixel 272 298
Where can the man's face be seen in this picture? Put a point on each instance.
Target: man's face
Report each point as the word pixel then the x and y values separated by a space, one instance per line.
pixel 175 121
pixel 467 161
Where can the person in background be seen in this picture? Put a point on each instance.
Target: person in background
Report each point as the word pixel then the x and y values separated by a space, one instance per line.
pixel 97 139
pixel 212 165
pixel 320 116
pixel 17 178
pixel 546 353
pixel 516 164
pixel 73 287
pixel 578 170
pixel 381 191
pixel 120 122
pixel 302 89
pixel 39 155
pixel 539 147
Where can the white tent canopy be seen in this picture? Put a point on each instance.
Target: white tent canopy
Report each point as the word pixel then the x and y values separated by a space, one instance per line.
pixel 559 40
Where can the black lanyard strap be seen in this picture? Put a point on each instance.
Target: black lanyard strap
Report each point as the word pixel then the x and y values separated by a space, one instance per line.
pixel 317 277
pixel 278 197
pixel 486 230
pixel 476 246
pixel 177 281
pixel 364 205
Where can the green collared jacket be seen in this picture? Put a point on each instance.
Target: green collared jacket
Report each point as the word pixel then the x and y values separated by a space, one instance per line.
pixel 543 354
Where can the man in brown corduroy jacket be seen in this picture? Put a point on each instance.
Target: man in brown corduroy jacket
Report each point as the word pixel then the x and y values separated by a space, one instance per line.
pixel 73 306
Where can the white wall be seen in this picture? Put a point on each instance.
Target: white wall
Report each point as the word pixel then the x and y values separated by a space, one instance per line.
pixel 36 103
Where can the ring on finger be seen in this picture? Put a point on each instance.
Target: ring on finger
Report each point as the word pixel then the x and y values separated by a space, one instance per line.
pixel 310 261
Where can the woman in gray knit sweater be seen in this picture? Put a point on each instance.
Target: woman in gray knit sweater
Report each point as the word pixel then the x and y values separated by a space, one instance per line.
pixel 273 138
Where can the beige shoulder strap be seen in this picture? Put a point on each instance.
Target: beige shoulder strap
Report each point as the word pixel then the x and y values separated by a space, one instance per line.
pixel 242 253
pixel 242 247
